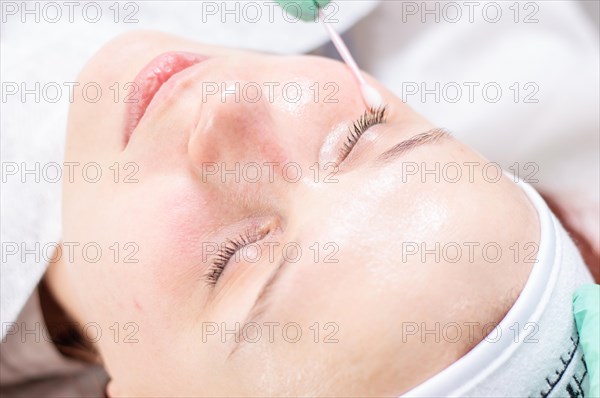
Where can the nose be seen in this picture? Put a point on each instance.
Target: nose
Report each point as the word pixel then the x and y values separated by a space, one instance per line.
pixel 233 129
pixel 235 146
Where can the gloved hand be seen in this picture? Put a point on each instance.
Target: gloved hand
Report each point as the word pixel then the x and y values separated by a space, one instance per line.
pixel 306 10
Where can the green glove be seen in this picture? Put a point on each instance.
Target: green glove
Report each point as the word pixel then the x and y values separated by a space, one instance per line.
pixel 586 303
pixel 306 10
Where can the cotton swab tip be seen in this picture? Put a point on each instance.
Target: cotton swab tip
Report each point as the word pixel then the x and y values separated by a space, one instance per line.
pixel 371 96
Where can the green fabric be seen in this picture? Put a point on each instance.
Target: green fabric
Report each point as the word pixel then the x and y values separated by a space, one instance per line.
pixel 586 303
pixel 305 10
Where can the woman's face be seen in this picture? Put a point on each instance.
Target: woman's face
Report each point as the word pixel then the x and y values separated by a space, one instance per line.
pixel 348 244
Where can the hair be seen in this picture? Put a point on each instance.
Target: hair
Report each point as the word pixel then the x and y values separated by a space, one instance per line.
pixel 65 333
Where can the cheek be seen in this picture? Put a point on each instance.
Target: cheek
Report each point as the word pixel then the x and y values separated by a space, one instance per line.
pixel 146 286
pixel 150 236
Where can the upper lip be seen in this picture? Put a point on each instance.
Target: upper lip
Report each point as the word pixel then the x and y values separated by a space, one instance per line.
pixel 150 79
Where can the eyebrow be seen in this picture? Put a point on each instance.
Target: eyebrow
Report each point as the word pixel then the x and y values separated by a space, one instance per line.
pixel 429 137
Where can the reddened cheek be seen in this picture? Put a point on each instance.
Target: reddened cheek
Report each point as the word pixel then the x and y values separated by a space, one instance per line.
pixel 186 214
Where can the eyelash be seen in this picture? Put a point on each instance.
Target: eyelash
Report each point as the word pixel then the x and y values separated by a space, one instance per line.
pixel 370 118
pixel 226 253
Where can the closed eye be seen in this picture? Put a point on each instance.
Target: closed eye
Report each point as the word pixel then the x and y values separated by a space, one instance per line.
pixel 226 253
pixel 370 118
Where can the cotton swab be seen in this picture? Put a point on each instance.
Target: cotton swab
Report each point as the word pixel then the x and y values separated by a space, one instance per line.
pixel 370 95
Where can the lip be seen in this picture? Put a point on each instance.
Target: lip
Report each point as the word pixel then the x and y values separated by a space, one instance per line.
pixel 150 79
